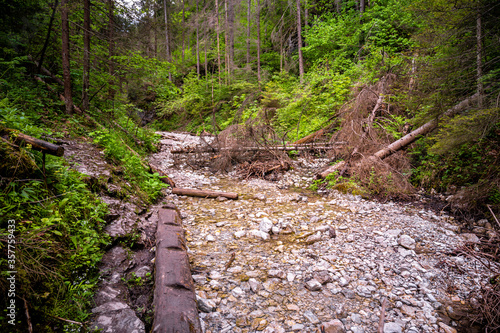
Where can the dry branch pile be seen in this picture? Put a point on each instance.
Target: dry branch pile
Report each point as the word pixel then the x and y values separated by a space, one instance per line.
pixel 362 127
pixel 228 149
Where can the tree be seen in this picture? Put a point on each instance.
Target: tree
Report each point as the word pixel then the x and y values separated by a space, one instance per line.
pixel 66 57
pixel 86 55
pixel 299 36
pixel 258 41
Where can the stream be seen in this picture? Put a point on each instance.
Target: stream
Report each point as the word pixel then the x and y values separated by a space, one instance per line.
pixel 282 258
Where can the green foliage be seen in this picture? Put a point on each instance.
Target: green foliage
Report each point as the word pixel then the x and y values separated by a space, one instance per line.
pixel 59 237
pixel 148 186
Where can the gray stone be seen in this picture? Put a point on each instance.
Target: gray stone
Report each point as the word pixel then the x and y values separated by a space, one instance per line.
pixel 297 327
pixel 472 238
pixel 109 307
pixel 311 317
pixel 313 285
pixel 334 326
pixel 392 327
pixel 407 242
pixel 206 305
pixel 357 329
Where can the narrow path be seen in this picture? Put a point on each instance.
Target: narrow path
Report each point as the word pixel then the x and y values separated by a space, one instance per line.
pixel 268 261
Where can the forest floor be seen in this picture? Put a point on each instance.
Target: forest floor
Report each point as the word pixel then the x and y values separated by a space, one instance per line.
pixel 289 272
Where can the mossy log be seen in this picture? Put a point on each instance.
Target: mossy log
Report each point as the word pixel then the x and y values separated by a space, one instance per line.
pixel 35 143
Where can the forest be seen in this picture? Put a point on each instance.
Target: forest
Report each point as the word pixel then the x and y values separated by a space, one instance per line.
pixel 405 94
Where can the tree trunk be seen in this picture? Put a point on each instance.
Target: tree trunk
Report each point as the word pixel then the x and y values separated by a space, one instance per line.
pixel 49 30
pixel 299 35
pixel 111 49
pixel 226 40
pixel 218 37
pixel 174 293
pixel 424 129
pixel 167 39
pixel 183 31
pixel 197 41
pixel 479 54
pixel 231 30
pixel 65 57
pixel 86 55
pixel 258 41
pixel 249 10
pixel 361 6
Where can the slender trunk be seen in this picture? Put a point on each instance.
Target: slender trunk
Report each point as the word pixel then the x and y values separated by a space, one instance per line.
pixel 167 39
pixel 46 43
pixel 479 54
pixel 218 37
pixel 338 6
pixel 299 34
pixel 111 50
pixel 197 42
pixel 226 40
pixel 231 30
pixel 66 57
pixel 86 55
pixel 183 31
pixel 258 41
pixel 361 6
pixel 249 9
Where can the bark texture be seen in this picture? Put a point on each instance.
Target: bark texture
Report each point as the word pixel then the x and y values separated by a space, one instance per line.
pixel 174 296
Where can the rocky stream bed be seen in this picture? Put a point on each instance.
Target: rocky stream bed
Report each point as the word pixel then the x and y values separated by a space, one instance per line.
pixel 282 258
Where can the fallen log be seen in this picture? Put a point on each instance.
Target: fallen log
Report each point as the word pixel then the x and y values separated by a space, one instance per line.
pixel 323 146
pixel 204 193
pixel 311 137
pixel 174 294
pixel 137 141
pixel 37 144
pixel 331 169
pixel 424 129
pixel 166 179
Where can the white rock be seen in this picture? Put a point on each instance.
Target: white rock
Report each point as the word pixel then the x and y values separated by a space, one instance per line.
pixel 313 285
pixel 265 225
pixel 210 238
pixel 407 242
pixel 239 234
pixel 259 234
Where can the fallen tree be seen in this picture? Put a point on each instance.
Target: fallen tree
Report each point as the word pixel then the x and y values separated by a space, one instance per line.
pixel 204 193
pixel 37 144
pixel 297 147
pixel 424 129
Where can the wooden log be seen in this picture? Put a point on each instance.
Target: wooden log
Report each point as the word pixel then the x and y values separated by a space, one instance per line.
pixel 37 144
pixel 311 137
pixel 322 146
pixel 166 179
pixel 137 141
pixel 204 193
pixel 174 295
pixel 336 167
pixel 425 128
